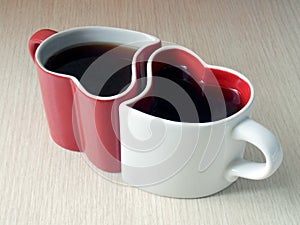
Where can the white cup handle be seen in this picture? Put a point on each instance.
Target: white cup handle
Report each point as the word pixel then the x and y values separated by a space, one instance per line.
pixel 254 133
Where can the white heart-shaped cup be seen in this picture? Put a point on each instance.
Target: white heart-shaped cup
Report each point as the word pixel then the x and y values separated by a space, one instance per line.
pixel 186 155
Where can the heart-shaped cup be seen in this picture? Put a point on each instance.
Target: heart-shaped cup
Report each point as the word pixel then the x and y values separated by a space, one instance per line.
pixel 80 118
pixel 197 147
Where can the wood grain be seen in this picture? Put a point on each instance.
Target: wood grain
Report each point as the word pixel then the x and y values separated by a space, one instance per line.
pixel 42 184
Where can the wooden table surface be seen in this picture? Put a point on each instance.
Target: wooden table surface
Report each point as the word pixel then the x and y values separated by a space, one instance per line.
pixel 40 183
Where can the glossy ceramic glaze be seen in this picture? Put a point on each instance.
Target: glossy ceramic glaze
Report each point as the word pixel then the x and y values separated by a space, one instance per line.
pixel 78 120
pixel 190 160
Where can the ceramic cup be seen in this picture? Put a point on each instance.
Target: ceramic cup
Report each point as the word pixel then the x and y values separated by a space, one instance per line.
pixel 188 159
pixel 78 119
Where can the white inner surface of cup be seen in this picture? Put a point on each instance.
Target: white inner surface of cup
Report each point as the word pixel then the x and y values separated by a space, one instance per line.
pixel 85 35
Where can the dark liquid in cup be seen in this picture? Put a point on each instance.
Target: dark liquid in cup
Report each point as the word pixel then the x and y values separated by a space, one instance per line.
pixel 103 69
pixel 210 103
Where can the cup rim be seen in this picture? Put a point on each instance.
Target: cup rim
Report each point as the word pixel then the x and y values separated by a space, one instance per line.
pixel 208 66
pixel 150 39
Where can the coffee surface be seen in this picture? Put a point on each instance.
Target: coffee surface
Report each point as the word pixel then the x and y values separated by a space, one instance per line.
pixel 199 103
pixel 103 69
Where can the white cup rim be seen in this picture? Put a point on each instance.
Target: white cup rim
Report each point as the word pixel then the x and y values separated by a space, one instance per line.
pixel 149 84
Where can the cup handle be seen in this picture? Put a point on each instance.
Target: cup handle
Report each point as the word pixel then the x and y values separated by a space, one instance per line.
pixel 256 134
pixel 37 38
